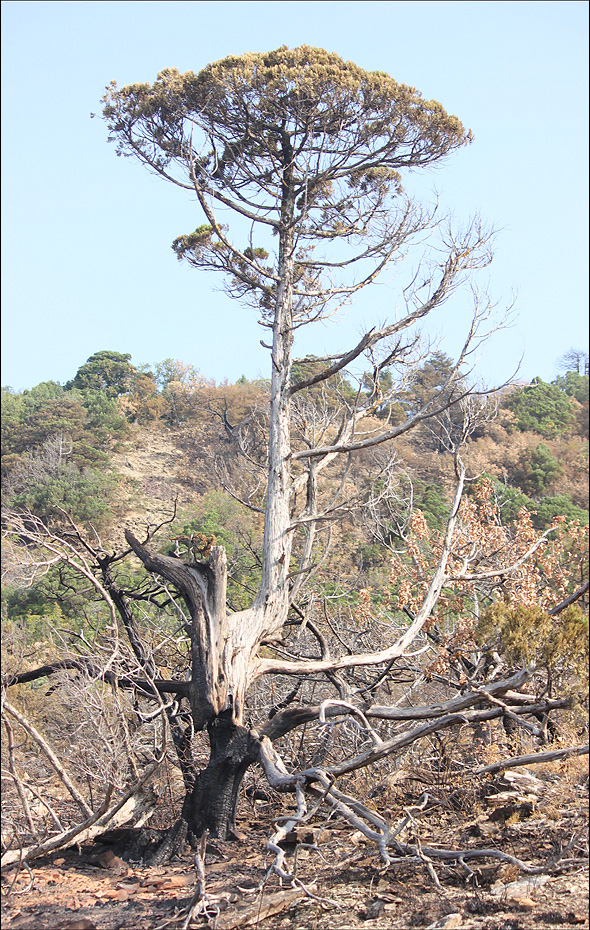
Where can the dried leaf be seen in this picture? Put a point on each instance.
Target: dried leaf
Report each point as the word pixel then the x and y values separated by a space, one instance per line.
pixel 527 904
pixel 81 924
pixel 129 888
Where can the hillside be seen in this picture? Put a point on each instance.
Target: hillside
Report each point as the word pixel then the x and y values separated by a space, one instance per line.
pixel 140 440
pixel 485 785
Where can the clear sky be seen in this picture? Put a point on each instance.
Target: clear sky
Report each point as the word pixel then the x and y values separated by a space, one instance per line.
pixel 87 263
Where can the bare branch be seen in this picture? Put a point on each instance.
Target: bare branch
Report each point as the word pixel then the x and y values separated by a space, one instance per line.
pixel 48 751
pixel 534 758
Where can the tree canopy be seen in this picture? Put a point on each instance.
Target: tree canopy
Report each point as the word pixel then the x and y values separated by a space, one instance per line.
pixel 108 372
pixel 543 408
pixel 295 140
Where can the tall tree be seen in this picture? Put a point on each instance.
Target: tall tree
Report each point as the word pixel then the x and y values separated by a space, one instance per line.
pixel 306 152
pixel 307 149
pixel 108 372
pixel 574 360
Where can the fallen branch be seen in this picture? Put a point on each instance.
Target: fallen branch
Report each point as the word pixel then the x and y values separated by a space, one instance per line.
pixel 558 857
pixel 245 915
pixel 200 903
pixel 534 758
pixel 67 838
pixel 369 822
pixel 457 855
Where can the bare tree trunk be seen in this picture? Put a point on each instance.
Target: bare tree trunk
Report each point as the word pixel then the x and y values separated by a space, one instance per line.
pixel 210 806
pixel 212 803
pixel 215 691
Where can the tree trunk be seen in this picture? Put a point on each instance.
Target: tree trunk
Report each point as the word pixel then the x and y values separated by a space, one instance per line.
pixel 212 803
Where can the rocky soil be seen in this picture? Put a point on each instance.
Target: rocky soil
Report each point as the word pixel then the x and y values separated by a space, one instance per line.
pixel 340 881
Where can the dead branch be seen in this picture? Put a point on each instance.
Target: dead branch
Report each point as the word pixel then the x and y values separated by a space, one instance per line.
pixel 86 665
pixel 534 758
pixel 450 720
pixel 17 780
pixel 201 904
pixel 569 600
pixel 266 666
pixel 370 823
pixel 49 753
pixel 453 705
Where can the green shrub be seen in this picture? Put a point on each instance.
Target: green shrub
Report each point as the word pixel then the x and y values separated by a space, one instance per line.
pixel 522 635
pixel 542 470
pixel 542 408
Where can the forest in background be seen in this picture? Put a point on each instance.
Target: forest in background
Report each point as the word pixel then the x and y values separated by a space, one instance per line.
pixel 337 606
pixel 62 445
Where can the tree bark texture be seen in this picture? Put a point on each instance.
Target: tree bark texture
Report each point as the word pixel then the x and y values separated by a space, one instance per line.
pixel 212 803
pixel 203 587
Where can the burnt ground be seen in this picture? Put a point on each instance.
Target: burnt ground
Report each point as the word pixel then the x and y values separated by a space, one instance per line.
pixel 347 885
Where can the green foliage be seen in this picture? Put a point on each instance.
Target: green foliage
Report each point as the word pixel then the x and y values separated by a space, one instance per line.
pixel 86 423
pixel 222 521
pixel 192 242
pixel 433 380
pixel 55 608
pixel 47 483
pixel 574 385
pixel 528 634
pixel 55 443
pixel 85 496
pixel 306 86
pixel 171 370
pixel 510 500
pixel 13 413
pixel 41 394
pixel 369 555
pixel 541 471
pixel 104 426
pixel 105 372
pixel 333 389
pixel 427 381
pixel 56 446
pixel 32 611
pixel 35 416
pixel 542 408
pixel 432 500
pixel 292 138
pixel 559 506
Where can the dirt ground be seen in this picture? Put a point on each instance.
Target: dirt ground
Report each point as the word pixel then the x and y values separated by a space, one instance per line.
pixel 346 884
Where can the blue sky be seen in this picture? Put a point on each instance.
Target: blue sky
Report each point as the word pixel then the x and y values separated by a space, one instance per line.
pixel 87 263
